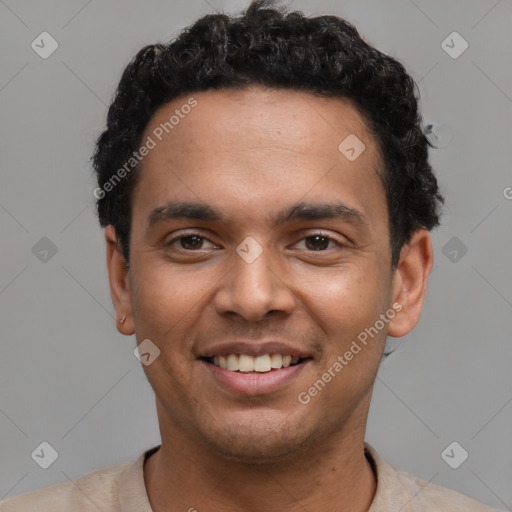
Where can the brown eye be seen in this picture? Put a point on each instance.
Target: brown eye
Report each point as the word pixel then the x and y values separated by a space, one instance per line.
pixel 191 242
pixel 318 242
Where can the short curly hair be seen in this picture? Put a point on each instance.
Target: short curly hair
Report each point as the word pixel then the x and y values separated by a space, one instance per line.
pixel 269 47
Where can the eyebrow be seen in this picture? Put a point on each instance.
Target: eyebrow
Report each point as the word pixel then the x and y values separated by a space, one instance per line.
pixel 299 211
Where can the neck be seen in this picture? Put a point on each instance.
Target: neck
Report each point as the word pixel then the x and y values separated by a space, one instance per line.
pixel 333 477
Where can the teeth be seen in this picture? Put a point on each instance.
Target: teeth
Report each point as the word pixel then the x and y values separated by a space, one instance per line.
pixel 246 363
pixel 261 364
pixel 232 362
pixel 276 361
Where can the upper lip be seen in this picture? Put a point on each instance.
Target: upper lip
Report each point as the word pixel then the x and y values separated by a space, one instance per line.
pixel 254 348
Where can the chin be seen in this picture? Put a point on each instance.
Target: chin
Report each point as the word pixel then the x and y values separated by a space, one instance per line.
pixel 268 444
pixel 249 451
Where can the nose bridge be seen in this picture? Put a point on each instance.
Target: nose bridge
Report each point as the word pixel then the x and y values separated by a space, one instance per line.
pixel 253 287
pixel 254 272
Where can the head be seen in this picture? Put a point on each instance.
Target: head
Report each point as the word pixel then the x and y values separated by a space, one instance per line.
pixel 292 142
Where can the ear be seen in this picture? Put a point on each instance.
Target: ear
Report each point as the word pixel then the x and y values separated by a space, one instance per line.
pixel 119 279
pixel 409 285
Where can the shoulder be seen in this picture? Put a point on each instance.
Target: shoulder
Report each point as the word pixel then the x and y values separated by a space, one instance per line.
pixel 94 491
pixel 428 496
pixel 401 491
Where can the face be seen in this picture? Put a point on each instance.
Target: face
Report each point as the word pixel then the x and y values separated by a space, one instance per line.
pixel 254 238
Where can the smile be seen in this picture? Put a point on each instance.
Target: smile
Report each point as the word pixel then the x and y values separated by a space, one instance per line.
pixel 255 375
pixel 247 363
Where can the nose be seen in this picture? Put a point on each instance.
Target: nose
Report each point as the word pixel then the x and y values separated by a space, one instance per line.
pixel 254 289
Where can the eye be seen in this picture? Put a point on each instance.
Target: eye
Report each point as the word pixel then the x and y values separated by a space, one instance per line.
pixel 189 241
pixel 319 242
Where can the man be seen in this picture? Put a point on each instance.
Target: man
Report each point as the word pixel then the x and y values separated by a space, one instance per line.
pixel 267 198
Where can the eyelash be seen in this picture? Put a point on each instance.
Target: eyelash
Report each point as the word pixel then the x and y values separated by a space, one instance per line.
pixel 312 235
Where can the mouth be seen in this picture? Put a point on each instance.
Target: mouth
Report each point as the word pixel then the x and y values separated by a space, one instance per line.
pixel 248 375
pixel 245 363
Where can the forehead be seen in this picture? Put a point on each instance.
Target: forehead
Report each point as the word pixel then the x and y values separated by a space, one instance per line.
pixel 286 118
pixel 259 146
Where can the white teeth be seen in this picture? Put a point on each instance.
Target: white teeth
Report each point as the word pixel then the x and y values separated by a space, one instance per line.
pixel 246 363
pixel 233 362
pixel 276 361
pixel 261 364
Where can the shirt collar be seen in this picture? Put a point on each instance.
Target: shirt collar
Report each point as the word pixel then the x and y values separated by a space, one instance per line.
pixel 386 497
pixel 133 496
pixel 132 490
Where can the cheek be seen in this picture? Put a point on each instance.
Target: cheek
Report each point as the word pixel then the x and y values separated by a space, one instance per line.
pixel 165 306
pixel 165 300
pixel 344 300
pixel 345 307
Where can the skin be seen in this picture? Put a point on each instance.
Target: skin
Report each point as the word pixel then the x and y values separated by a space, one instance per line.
pixel 253 153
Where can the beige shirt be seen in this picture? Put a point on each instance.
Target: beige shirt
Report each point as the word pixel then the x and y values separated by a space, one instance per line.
pixel 121 488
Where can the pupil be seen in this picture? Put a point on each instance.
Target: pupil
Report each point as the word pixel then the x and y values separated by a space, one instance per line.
pixel 185 239
pixel 324 242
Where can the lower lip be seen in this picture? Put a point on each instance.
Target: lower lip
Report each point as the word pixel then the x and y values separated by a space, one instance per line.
pixel 254 383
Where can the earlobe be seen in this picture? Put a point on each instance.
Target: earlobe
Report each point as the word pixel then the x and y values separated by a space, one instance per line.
pixel 119 282
pixel 410 282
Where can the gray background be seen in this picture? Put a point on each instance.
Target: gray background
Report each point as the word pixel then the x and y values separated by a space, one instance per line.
pixel 67 377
